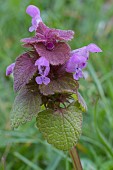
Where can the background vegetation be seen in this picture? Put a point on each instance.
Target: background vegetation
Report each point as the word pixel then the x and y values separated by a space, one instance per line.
pixel 92 21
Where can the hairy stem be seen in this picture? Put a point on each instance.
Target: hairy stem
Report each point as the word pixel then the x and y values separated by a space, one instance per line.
pixel 76 160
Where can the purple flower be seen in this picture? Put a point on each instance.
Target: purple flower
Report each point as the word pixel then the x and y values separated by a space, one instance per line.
pixel 50 44
pixel 44 68
pixel 75 65
pixel 10 69
pixel 42 79
pixel 34 12
pixel 78 60
pixel 84 51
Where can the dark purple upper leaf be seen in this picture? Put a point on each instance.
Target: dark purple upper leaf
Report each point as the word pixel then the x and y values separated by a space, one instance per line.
pixel 24 70
pixel 29 42
pixel 59 55
pixel 63 84
pixel 51 33
pixel 65 35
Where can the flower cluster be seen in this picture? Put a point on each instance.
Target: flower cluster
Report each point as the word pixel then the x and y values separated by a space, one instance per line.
pixel 49 64
pixel 52 49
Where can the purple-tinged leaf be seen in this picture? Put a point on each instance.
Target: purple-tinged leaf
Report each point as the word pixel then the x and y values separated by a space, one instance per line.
pixel 59 55
pixel 65 35
pixel 26 105
pixel 51 33
pixel 30 40
pixel 64 84
pixel 24 70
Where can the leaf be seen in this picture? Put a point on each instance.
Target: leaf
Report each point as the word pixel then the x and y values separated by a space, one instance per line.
pixel 26 105
pixel 61 128
pixel 63 84
pixel 59 55
pixel 27 161
pixel 107 165
pixel 80 103
pixel 24 70
pixel 65 35
pixel 45 32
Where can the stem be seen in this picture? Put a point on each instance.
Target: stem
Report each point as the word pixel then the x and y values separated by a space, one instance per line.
pixel 76 160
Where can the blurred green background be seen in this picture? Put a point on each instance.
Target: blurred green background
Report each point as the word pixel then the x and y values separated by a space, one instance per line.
pixel 92 21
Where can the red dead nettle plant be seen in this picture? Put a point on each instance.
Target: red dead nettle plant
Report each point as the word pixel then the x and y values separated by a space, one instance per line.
pixel 48 75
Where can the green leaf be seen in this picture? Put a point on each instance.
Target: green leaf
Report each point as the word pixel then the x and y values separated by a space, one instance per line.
pixel 61 128
pixel 27 161
pixel 108 165
pixel 80 103
pixel 64 84
pixel 26 106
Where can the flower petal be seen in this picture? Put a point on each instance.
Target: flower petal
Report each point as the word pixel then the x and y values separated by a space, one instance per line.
pixel 39 80
pixel 32 10
pixel 93 48
pixel 76 61
pixel 46 80
pixel 42 79
pixel 59 55
pixel 82 52
pixel 10 69
pixel 31 29
pixel 35 22
pixel 42 61
pixel 78 75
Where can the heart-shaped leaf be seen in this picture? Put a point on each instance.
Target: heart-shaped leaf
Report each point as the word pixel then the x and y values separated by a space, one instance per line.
pixel 26 105
pixel 64 84
pixel 61 128
pixel 24 70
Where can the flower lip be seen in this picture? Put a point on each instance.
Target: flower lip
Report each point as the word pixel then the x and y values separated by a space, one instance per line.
pixel 42 80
